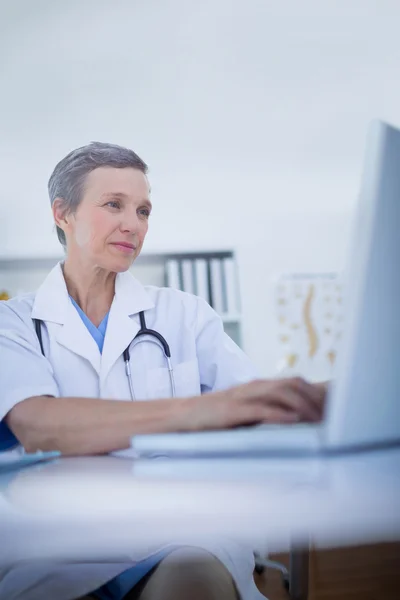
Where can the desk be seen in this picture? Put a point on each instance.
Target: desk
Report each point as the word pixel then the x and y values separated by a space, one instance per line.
pixel 99 507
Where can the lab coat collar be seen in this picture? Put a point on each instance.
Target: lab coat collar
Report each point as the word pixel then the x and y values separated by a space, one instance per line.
pixel 130 299
pixel 52 303
pixel 130 295
pixel 52 299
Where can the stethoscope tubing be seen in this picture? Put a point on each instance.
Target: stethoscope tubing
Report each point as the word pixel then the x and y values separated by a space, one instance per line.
pixel 161 343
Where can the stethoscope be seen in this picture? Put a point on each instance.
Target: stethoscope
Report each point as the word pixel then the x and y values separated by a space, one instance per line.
pixel 161 343
pixel 167 353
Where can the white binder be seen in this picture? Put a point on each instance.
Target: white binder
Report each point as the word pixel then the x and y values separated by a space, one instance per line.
pixel 216 286
pixel 202 279
pixel 173 279
pixel 187 276
pixel 232 295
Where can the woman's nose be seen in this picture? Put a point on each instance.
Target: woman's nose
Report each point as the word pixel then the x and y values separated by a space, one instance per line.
pixel 130 221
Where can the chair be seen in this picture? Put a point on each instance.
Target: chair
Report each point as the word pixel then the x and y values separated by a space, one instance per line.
pixel 294 579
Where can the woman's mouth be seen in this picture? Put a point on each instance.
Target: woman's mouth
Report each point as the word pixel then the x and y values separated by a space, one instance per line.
pixel 125 247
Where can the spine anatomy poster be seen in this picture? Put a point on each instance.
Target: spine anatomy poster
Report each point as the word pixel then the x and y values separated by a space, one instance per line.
pixel 309 313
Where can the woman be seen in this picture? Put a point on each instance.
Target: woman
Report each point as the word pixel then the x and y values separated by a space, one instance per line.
pixel 75 393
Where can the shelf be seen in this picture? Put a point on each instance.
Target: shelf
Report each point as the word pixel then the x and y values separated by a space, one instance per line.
pixel 23 263
pixel 233 318
pixel 22 274
pixel 147 258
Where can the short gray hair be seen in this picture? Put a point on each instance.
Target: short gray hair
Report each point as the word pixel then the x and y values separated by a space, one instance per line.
pixel 68 178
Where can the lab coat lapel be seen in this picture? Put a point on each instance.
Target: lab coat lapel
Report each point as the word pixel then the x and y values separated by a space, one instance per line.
pixel 75 336
pixel 123 322
pixel 52 304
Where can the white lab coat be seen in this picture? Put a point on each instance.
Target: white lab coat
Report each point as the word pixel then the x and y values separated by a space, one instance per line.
pixel 204 359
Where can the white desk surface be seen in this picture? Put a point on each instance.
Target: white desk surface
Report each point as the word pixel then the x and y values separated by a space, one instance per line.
pixel 106 507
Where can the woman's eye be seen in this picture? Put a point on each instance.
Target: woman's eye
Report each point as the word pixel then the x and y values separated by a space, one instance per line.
pixel 113 204
pixel 145 212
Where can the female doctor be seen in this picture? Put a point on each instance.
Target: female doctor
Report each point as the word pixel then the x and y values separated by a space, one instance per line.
pixel 67 352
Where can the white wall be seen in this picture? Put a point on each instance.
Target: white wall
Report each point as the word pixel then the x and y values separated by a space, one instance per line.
pixel 251 115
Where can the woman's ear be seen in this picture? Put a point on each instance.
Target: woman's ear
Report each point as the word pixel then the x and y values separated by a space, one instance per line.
pixel 59 214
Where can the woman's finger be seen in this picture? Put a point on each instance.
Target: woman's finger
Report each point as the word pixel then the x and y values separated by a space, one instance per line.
pixel 293 401
pixel 253 414
pixel 309 392
pixel 280 416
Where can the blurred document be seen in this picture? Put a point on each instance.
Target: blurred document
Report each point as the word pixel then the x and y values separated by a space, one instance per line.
pixel 17 459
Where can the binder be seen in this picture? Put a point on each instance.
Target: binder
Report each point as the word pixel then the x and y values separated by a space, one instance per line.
pixel 201 279
pixel 232 295
pixel 187 276
pixel 216 285
pixel 173 279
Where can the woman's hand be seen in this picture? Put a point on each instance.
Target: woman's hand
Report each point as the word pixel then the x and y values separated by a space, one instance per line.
pixel 260 401
pixel 84 426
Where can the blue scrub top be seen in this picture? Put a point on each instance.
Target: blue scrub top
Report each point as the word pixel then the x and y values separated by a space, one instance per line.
pixel 97 333
pixel 7 438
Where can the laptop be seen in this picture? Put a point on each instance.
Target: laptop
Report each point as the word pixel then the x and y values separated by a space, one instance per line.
pixel 363 404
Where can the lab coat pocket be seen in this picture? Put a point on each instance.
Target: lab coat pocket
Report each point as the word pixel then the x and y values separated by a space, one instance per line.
pixel 186 377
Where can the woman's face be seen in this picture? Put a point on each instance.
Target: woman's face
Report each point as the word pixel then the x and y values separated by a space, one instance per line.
pixel 111 222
